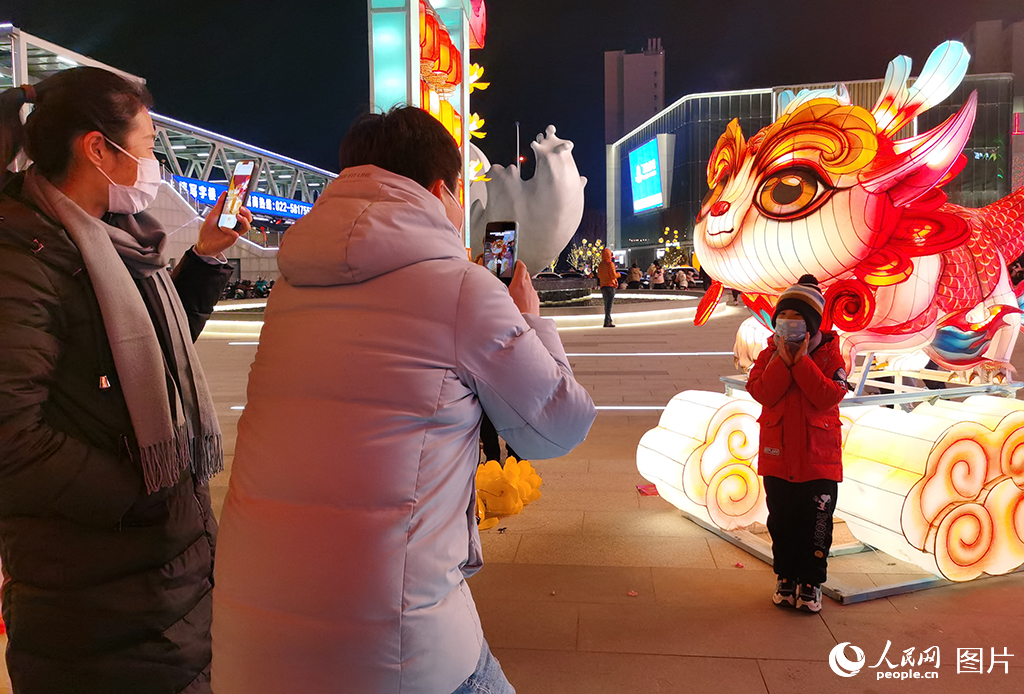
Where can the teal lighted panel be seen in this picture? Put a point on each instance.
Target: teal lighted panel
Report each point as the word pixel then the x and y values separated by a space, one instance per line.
pixel 390 55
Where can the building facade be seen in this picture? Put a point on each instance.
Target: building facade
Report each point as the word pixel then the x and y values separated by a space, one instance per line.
pixel 998 47
pixel 634 88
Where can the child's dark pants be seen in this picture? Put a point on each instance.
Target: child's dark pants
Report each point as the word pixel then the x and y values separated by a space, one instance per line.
pixel 800 523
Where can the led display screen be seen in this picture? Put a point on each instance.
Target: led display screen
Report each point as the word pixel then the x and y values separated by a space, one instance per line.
pixel 645 177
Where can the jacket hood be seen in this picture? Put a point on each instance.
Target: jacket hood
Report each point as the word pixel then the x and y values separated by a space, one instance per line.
pixel 367 223
pixel 607 256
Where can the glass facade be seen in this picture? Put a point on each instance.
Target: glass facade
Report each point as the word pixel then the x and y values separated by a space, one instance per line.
pixel 697 123
pixel 987 176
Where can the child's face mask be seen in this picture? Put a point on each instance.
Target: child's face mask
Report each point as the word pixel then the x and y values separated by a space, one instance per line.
pixel 791 329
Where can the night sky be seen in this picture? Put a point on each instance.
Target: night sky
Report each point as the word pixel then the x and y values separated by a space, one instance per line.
pixel 291 76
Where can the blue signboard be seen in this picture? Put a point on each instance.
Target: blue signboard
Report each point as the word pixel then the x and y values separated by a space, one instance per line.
pixel 645 177
pixel 259 203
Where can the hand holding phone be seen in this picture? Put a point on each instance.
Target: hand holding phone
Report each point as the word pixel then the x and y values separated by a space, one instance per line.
pixel 501 249
pixel 522 292
pixel 238 192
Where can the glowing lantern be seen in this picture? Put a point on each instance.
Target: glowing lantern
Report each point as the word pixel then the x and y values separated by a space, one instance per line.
pixel 941 487
pixel 430 43
pixel 828 189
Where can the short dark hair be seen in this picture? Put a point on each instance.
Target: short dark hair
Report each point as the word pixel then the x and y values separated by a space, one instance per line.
pixel 68 104
pixel 407 141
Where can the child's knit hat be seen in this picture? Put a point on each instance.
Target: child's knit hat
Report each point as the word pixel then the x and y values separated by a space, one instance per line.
pixel 805 298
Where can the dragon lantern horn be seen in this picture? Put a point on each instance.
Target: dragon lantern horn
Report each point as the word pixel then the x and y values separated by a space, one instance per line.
pixel 919 164
pixel 899 105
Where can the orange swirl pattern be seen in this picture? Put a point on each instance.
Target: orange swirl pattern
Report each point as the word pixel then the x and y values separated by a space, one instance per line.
pixel 735 496
pixel 729 151
pixel 849 305
pixel 885 268
pixel 968 507
pixel 838 140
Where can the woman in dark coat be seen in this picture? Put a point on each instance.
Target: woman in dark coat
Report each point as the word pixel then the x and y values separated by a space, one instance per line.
pixel 107 431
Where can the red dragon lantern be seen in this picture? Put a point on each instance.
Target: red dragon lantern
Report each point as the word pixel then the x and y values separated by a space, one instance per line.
pixel 827 189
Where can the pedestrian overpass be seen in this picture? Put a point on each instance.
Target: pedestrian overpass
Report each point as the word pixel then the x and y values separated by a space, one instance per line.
pixel 196 162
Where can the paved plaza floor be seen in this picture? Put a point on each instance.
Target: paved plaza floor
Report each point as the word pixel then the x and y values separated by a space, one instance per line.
pixel 596 589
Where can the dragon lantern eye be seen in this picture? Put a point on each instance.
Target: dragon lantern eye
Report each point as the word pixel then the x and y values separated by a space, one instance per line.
pixel 791 193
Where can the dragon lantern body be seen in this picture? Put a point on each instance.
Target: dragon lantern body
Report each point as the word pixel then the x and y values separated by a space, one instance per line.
pixel 829 189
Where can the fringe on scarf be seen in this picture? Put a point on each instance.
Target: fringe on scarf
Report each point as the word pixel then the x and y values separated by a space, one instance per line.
pixel 163 463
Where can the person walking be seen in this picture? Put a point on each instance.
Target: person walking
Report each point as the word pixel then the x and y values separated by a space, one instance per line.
pixel 608 276
pixel 634 277
pixel 799 379
pixel 349 527
pixel 108 434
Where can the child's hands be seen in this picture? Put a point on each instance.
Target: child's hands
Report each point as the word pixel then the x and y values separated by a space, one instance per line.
pixel 802 352
pixel 783 352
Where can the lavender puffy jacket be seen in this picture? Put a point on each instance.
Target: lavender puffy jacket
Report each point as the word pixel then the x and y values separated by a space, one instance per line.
pixel 348 530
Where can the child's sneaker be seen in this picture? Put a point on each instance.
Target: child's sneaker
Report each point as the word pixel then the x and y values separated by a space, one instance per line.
pixel 809 598
pixel 785 593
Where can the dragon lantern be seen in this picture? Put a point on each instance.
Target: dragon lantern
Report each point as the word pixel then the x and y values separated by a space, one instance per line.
pixel 829 189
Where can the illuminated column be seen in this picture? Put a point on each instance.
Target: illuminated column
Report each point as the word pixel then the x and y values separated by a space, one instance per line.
pixel 395 67
pixel 391 51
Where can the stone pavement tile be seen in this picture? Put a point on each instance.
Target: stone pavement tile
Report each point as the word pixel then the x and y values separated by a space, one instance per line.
pixel 555 672
pixel 615 464
pixel 500 547
pixel 617 448
pixel 567 465
pixel 574 499
pixel 512 623
pixel 721 630
pixel 655 522
pixel 614 551
pixel 853 581
pixel 594 481
pixel 727 555
pixel 540 521
pixel 700 588
pixel 1002 595
pixel 947 630
pixel 873 562
pixel 229 432
pixel 576 584
pixel 218 494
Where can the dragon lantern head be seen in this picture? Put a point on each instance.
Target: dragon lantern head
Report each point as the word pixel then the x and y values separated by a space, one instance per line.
pixel 827 186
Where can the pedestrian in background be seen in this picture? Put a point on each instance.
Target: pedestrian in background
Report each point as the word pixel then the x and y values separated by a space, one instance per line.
pixel 799 379
pixel 608 276
pixel 658 277
pixel 634 277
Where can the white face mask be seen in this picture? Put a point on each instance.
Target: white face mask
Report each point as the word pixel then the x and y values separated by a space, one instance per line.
pixel 453 210
pixel 136 198
pixel 791 329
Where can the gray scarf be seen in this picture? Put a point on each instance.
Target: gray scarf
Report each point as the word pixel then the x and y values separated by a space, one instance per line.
pixel 175 431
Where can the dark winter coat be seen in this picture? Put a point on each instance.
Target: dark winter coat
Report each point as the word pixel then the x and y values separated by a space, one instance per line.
pixel 801 435
pixel 106 589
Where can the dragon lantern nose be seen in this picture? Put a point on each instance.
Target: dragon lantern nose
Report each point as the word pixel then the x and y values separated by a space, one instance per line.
pixel 719 208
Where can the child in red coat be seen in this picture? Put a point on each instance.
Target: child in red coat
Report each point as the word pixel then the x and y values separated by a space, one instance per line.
pixel 799 379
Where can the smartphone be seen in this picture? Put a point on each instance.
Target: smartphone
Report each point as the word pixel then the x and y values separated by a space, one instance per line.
pixel 238 193
pixel 501 249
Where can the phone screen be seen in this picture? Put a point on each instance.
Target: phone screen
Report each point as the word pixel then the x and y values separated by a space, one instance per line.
pixel 500 249
pixel 237 193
